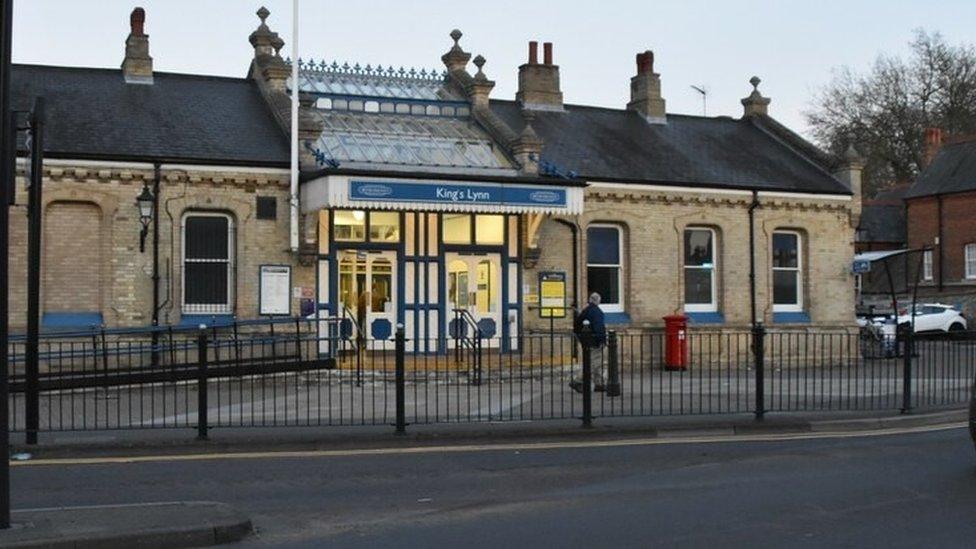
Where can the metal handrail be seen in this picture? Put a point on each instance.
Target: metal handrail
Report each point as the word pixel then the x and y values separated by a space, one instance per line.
pixel 352 318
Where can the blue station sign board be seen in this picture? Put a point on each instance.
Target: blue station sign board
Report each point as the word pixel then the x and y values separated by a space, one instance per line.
pixel 456 193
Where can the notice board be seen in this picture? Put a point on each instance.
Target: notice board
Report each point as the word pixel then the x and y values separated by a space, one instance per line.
pixel 552 294
pixel 274 290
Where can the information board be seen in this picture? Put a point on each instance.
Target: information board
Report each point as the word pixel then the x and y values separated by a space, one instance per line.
pixel 274 295
pixel 552 294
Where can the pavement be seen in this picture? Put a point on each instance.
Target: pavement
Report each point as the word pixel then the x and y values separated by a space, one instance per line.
pixel 175 524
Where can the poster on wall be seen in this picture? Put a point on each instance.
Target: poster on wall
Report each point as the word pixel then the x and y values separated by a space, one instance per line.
pixel 552 294
pixel 274 295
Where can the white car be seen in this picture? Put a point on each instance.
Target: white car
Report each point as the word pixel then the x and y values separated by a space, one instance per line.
pixel 934 317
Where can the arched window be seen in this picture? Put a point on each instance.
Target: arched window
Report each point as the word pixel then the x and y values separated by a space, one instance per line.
pixel 208 263
pixel 700 270
pixel 787 272
pixel 605 265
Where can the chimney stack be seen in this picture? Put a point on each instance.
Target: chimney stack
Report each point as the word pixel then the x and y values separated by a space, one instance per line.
pixel 538 84
pixel 933 142
pixel 137 65
pixel 755 104
pixel 645 90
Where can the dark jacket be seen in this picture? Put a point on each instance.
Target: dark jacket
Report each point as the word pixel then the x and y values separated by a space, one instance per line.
pixel 598 327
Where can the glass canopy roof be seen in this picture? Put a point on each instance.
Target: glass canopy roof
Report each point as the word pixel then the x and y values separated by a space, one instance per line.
pixel 390 118
pixel 369 81
pixel 360 137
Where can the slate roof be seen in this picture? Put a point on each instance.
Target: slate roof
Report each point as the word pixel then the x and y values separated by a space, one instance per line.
pixel 883 223
pixel 93 113
pixel 953 170
pixel 601 144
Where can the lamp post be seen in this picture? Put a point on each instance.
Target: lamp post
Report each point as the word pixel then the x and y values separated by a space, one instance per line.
pixel 146 202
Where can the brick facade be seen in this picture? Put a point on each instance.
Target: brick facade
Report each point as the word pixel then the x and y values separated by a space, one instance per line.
pixel 949 282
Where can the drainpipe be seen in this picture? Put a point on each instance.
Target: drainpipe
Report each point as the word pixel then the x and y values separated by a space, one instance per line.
pixel 752 256
pixel 293 188
pixel 575 229
pixel 941 262
pixel 155 245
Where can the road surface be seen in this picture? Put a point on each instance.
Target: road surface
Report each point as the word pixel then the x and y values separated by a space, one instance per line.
pixel 906 490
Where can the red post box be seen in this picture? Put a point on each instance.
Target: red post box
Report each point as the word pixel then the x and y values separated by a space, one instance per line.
pixel 675 342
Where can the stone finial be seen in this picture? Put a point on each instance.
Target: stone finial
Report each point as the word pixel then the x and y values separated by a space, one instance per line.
pixel 263 39
pixel 137 66
pixel 852 155
pixel 755 104
pixel 479 61
pixel 456 58
pixel 527 148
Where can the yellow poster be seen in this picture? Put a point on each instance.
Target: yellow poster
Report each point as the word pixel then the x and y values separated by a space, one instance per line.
pixel 552 295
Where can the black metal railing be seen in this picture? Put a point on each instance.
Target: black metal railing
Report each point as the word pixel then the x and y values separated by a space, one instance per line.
pixel 307 372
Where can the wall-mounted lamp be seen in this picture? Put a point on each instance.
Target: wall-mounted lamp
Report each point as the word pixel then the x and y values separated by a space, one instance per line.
pixel 146 202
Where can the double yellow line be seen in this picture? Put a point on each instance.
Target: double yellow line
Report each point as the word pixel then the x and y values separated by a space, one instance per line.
pixel 496 447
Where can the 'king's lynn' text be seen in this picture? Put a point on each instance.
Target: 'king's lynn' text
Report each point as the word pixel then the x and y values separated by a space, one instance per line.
pixel 462 195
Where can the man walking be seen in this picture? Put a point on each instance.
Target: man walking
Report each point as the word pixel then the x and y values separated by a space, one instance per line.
pixel 592 341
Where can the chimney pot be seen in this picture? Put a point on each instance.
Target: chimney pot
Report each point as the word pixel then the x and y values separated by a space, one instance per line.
pixel 137 22
pixel 533 52
pixel 547 53
pixel 933 142
pixel 645 62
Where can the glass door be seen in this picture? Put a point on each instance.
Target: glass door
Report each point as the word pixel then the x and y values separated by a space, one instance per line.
pixel 367 294
pixel 474 291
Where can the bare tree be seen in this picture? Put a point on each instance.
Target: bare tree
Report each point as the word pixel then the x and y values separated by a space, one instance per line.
pixel 885 111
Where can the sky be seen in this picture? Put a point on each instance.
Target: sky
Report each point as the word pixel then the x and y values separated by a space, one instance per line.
pixel 793 46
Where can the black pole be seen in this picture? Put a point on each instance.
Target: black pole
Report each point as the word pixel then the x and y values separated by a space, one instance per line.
pixel 8 162
pixel 399 351
pixel 202 421
pixel 586 342
pixel 155 266
pixel 759 357
pixel 613 363
pixel 752 257
pixel 35 211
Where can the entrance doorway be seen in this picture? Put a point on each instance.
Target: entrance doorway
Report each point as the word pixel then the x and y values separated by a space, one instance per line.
pixel 367 294
pixel 474 293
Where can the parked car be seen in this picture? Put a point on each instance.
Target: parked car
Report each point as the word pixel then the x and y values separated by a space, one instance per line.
pixel 929 318
pixel 934 317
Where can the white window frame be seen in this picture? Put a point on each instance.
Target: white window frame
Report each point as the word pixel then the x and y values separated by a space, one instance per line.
pixel 969 260
pixel 197 309
pixel 788 307
pixel 610 307
pixel 712 306
pixel 927 273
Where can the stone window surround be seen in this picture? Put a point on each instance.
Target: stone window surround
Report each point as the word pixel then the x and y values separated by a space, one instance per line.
pixel 230 306
pixel 801 268
pixel 712 307
pixel 621 306
pixel 969 261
